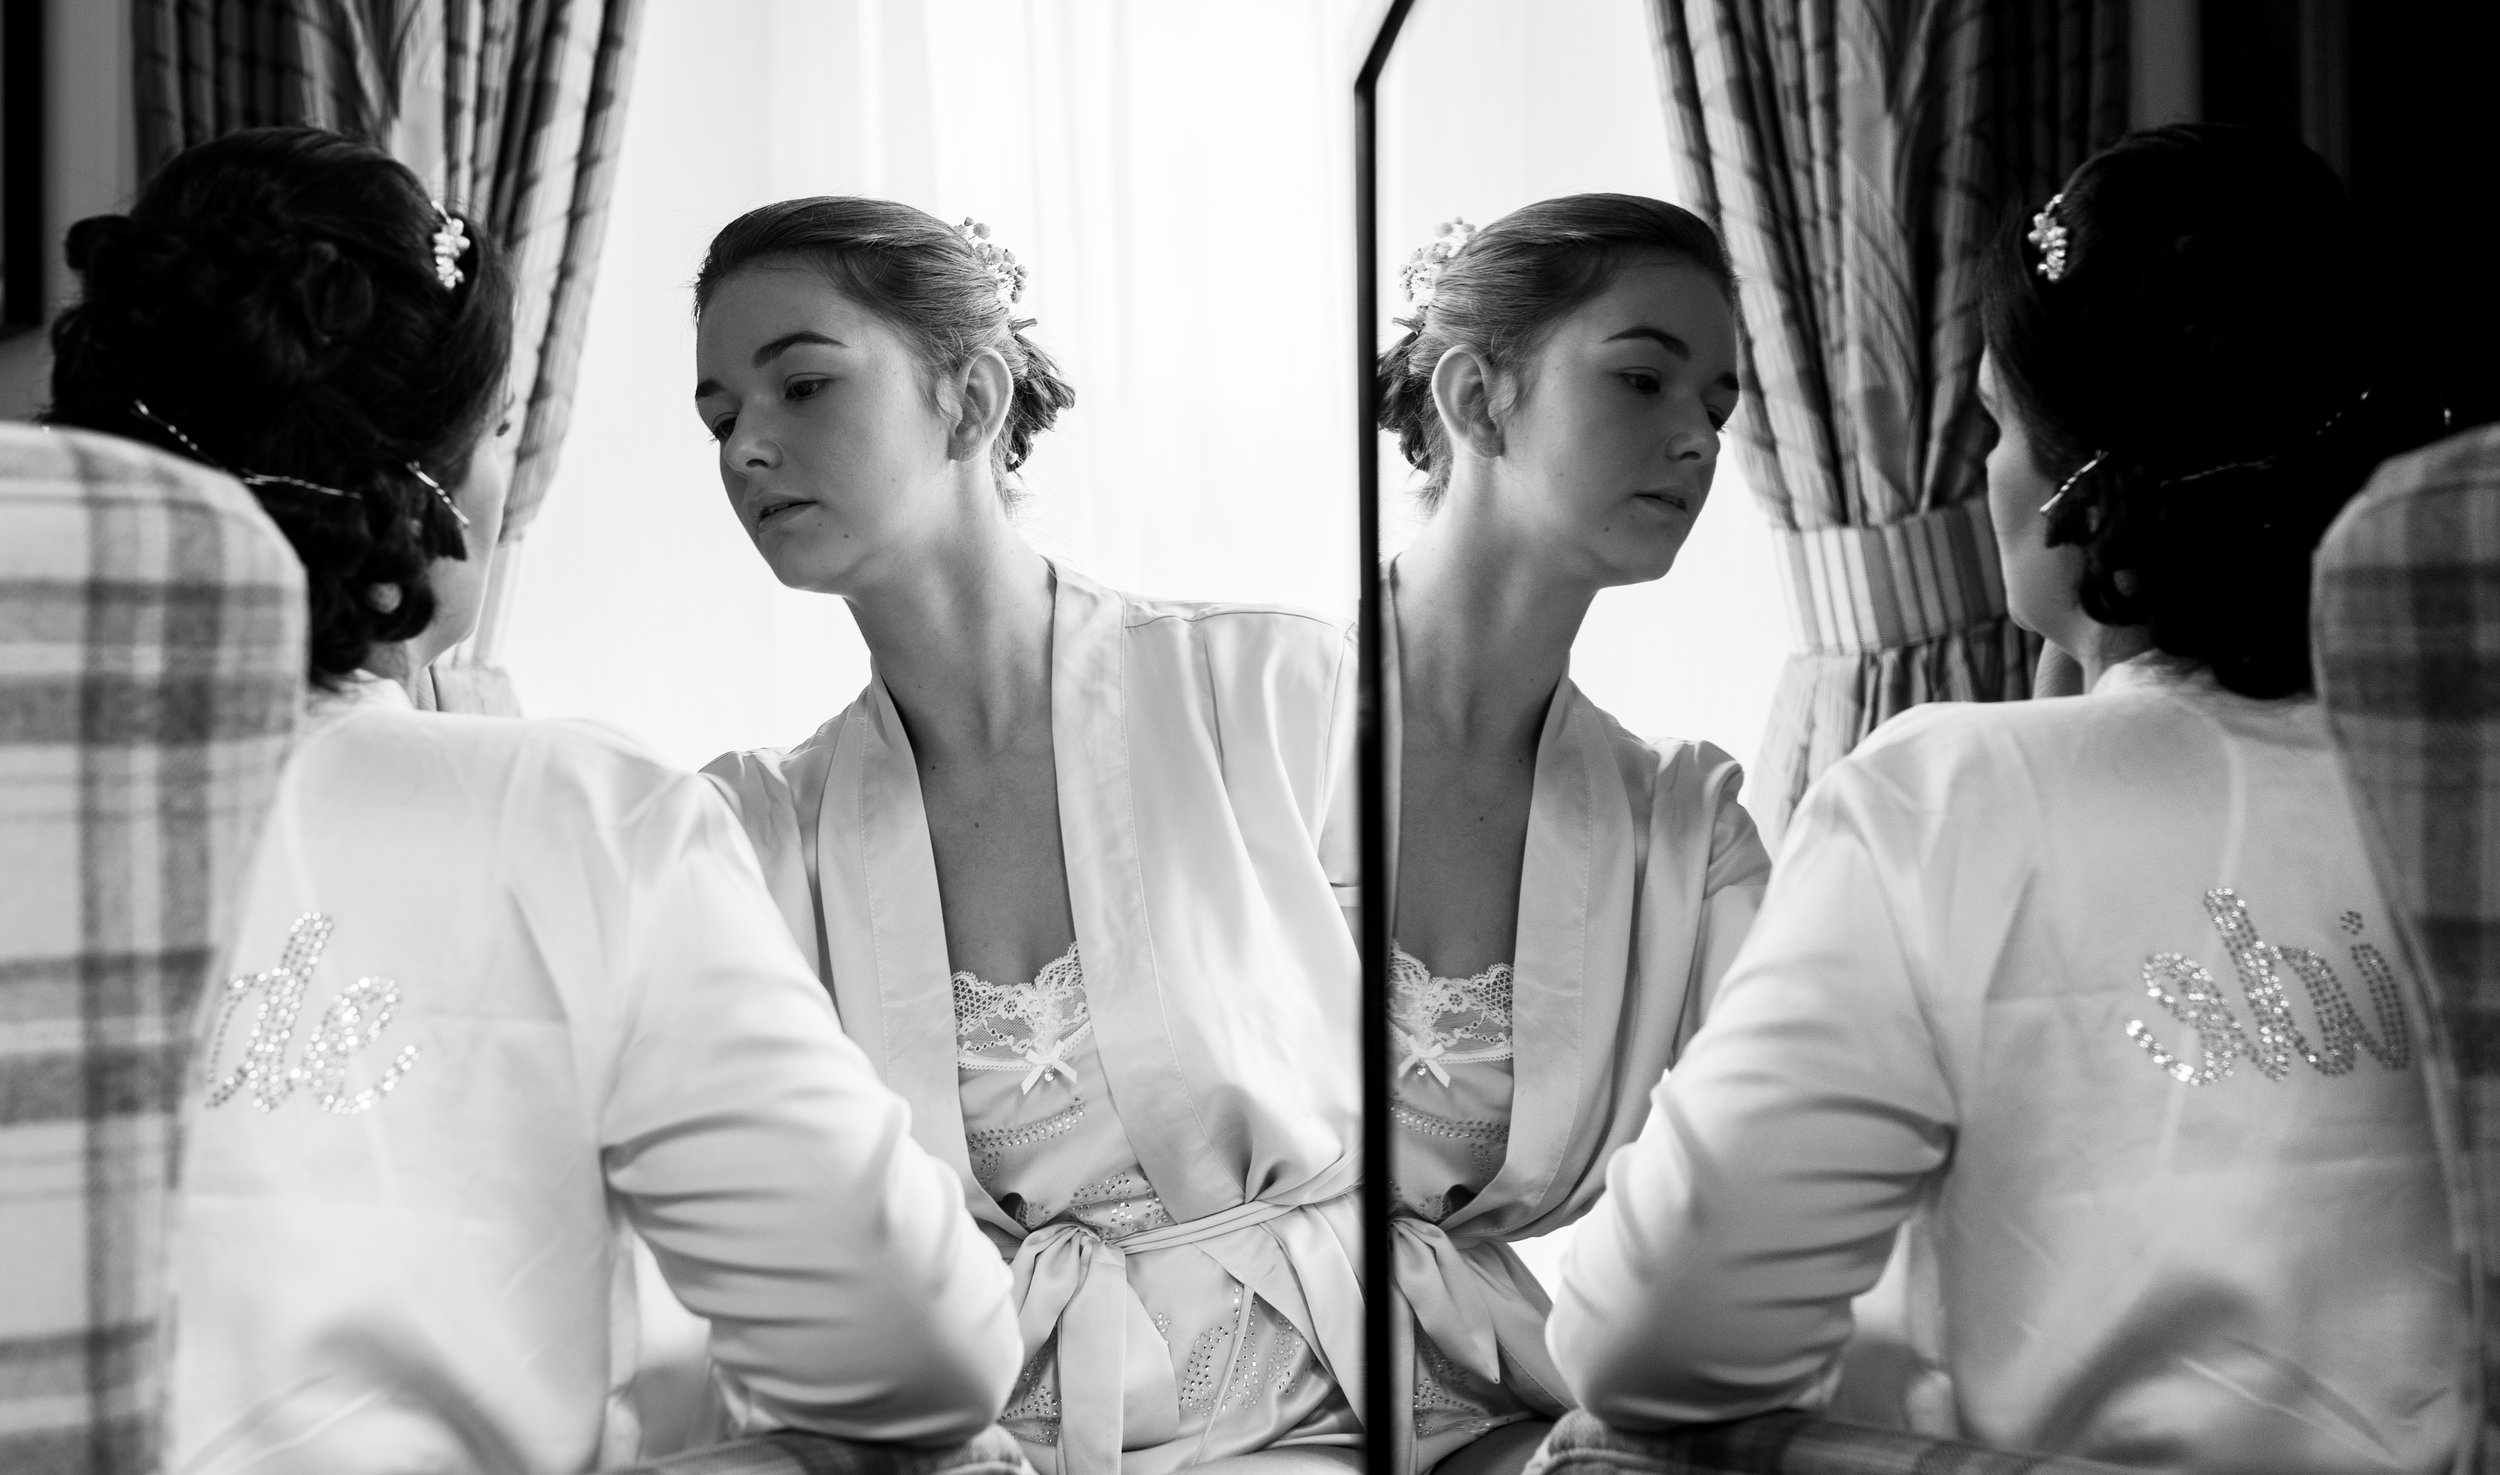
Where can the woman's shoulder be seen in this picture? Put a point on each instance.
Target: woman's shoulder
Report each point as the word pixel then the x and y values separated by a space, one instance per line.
pixel 2034 754
pixel 1281 624
pixel 543 761
pixel 768 767
pixel 1687 787
pixel 1663 766
pixel 1229 641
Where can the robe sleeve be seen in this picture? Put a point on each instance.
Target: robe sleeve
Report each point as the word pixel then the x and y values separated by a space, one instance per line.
pixel 1713 1280
pixel 1341 824
pixel 1732 886
pixel 772 1174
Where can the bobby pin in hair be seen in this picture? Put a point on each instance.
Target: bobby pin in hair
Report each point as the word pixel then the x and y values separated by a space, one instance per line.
pixel 2068 484
pixel 2263 463
pixel 140 408
pixel 437 488
pixel 248 478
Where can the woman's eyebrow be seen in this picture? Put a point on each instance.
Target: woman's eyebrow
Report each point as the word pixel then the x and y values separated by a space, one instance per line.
pixel 1676 346
pixel 788 341
pixel 772 350
pixel 1665 340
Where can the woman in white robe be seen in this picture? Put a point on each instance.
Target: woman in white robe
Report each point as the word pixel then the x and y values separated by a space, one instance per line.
pixel 2098 994
pixel 501 990
pixel 1566 894
pixel 1072 866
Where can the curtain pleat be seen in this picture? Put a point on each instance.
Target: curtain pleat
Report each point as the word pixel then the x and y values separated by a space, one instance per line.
pixel 509 109
pixel 1856 155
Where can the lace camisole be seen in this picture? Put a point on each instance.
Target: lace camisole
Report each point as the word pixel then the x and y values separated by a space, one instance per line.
pixel 1452 1115
pixel 1047 1144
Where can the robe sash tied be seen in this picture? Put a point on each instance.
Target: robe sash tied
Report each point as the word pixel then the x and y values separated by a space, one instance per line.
pixel 1071 1281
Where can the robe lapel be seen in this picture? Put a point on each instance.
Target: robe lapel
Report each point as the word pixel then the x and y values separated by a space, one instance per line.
pixel 1572 953
pixel 885 932
pixel 1107 896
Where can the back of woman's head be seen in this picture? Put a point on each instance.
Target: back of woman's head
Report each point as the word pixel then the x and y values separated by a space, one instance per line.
pixel 925 279
pixel 275 297
pixel 1507 287
pixel 2210 325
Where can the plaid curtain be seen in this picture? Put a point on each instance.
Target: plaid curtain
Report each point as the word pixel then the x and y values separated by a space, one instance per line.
pixel 151 670
pixel 510 109
pixel 2405 627
pixel 1857 155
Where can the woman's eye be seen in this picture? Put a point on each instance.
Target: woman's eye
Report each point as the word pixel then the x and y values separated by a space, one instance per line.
pixel 721 427
pixel 1642 383
pixel 803 388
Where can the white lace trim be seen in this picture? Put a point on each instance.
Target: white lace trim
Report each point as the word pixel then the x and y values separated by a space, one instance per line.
pixel 1441 1022
pixel 1029 1027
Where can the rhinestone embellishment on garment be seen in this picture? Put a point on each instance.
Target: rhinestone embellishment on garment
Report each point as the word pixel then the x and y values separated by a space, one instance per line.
pixel 2272 1038
pixel 353 1022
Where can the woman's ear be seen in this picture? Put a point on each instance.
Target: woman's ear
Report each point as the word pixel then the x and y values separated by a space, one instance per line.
pixel 1462 390
pixel 984 389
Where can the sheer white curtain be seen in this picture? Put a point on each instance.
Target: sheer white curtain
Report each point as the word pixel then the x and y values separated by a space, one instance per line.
pixel 1176 177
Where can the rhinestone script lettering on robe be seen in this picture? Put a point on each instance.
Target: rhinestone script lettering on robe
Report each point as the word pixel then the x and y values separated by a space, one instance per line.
pixel 352 1024
pixel 2270 1037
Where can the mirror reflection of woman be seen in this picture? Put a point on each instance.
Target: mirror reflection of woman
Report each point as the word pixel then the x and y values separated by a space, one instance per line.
pixel 2097 996
pixel 1073 865
pixel 1566 894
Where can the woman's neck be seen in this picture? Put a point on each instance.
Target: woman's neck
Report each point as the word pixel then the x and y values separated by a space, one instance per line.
pixel 1484 633
pixel 962 641
pixel 2098 647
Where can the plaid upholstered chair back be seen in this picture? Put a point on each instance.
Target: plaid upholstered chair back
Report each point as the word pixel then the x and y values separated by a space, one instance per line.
pixel 151 673
pixel 2406 632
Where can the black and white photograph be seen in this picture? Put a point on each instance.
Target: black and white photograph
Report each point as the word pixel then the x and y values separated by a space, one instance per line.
pixel 1250 737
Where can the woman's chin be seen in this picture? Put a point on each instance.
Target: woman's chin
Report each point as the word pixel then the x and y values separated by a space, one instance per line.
pixel 1644 559
pixel 813 569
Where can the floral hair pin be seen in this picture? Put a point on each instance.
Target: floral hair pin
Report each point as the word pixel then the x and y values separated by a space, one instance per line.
pixel 1421 276
pixel 1005 271
pixel 2049 235
pixel 451 242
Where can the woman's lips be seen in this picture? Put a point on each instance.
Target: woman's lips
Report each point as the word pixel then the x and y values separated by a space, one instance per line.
pixel 1676 500
pixel 771 509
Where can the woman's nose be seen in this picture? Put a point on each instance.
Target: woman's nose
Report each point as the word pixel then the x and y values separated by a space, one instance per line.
pixel 1694 438
pixel 752 447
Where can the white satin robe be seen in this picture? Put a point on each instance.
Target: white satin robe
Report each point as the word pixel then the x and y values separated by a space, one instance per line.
pixel 1641 877
pixel 1206 815
pixel 2039 978
pixel 503 989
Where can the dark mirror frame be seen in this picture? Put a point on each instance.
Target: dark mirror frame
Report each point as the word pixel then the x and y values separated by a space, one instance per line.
pixel 1379 1252
pixel 22 245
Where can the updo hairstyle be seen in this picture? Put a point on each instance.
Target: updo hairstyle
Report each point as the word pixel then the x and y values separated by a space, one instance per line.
pixel 1508 287
pixel 2218 331
pixel 273 296
pixel 917 274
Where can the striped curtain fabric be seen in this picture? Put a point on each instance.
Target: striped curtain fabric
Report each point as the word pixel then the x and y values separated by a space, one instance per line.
pixel 510 109
pixel 1857 155
pixel 2405 630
